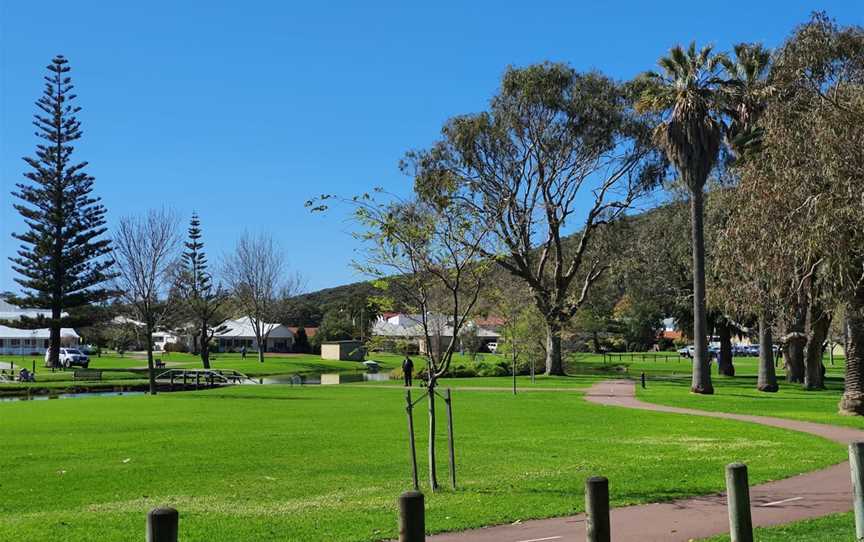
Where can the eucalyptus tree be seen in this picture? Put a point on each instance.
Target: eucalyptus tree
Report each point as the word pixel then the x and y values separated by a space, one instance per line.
pixel 145 253
pixel 63 261
pixel 691 134
pixel 204 302
pixel 557 152
pixel 811 174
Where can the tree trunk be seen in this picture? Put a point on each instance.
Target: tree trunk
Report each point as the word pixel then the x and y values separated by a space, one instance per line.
pixel 205 348
pixel 852 401
pixel 796 338
pixel 725 365
pixel 595 338
pixel 151 369
pixel 767 379
pixel 554 364
pixel 54 341
pixel 262 345
pixel 701 382
pixel 433 472
pixel 820 322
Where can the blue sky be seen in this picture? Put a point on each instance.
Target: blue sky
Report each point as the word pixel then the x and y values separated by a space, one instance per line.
pixel 244 110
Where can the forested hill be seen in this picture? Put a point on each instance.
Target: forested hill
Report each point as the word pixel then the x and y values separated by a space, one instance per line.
pixel 663 226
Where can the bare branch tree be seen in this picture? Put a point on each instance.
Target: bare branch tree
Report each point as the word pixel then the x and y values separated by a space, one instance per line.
pixel 145 252
pixel 256 273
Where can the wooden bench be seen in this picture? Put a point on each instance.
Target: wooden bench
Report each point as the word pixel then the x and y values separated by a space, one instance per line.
pixel 87 374
pixel 159 364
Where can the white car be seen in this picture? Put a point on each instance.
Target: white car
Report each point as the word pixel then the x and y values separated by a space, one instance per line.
pixel 492 347
pixel 70 357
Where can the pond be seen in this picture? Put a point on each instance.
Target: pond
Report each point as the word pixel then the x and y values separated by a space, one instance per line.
pixel 43 397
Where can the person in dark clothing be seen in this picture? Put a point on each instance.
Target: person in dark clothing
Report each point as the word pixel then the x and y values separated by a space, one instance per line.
pixel 407 370
pixel 243 352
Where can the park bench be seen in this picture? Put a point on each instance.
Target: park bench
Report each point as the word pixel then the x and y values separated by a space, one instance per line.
pixel 159 364
pixel 87 374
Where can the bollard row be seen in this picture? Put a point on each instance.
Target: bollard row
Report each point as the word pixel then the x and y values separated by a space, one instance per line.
pixel 162 523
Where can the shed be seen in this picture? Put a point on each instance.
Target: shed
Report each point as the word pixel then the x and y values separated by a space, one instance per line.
pixel 342 350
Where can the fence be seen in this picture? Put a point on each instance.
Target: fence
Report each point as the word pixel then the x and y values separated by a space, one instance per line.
pixel 163 523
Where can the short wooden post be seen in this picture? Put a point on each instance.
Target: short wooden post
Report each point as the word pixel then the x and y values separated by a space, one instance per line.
pixel 409 408
pixel 162 525
pixel 643 380
pixel 448 401
pixel 738 503
pixel 412 520
pixel 197 380
pixel 856 461
pixel 597 524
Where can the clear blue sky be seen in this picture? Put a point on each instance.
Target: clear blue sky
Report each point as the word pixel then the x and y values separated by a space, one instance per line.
pixel 243 110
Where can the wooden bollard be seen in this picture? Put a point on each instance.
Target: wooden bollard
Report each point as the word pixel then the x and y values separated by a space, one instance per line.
pixel 856 462
pixel 162 525
pixel 738 503
pixel 597 524
pixel 412 519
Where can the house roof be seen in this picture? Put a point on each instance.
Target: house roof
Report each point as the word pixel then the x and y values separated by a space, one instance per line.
pixel 9 311
pixel 44 333
pixel 491 321
pixel 242 328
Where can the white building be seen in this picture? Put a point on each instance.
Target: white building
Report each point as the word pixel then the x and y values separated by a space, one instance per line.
pixel 397 326
pixel 29 341
pixel 240 333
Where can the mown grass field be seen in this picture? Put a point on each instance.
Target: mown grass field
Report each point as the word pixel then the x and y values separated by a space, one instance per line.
pixel 326 463
pixel 834 528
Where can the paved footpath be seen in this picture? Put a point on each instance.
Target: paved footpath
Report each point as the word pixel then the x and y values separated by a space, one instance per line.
pixel 801 497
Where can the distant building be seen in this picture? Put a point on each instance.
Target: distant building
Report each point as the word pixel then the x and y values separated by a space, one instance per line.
pixel 240 333
pixel 29 341
pixel 409 327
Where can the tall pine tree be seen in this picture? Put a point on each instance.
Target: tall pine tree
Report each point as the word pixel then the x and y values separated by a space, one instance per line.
pixel 61 261
pixel 204 301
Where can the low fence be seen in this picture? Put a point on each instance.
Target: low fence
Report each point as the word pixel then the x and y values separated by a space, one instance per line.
pixel 163 523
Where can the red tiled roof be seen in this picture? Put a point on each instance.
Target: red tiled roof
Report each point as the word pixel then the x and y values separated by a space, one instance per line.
pixel 491 321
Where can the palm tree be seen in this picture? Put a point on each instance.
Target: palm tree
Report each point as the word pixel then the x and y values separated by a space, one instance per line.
pixel 686 92
pixel 744 96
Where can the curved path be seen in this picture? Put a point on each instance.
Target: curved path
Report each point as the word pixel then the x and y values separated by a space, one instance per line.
pixel 804 496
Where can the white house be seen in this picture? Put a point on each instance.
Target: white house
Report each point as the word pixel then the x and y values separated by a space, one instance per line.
pixel 161 337
pixel 397 326
pixel 240 333
pixel 29 341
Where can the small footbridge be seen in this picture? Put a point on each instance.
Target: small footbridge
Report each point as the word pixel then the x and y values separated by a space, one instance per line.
pixel 198 378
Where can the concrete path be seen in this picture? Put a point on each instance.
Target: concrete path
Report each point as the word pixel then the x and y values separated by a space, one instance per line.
pixel 801 497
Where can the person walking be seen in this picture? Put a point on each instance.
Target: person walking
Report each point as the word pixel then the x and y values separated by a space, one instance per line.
pixel 243 352
pixel 407 370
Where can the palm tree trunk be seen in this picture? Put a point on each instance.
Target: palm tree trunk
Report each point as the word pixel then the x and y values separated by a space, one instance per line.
pixel 554 364
pixel 701 382
pixel 852 401
pixel 767 379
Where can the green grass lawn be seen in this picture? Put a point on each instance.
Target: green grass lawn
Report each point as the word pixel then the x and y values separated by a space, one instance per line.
pixel 834 528
pixel 326 463
pixel 739 395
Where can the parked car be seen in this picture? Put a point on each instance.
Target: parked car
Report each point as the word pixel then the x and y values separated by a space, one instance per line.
pixel 70 357
pixel 492 347
pixel 687 351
